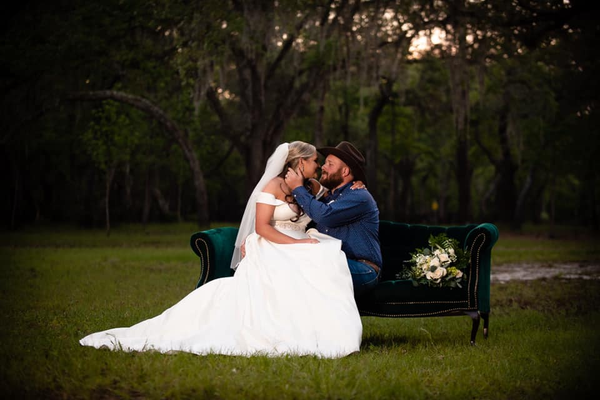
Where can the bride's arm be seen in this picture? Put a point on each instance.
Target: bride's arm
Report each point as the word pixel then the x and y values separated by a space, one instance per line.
pixel 317 189
pixel 264 214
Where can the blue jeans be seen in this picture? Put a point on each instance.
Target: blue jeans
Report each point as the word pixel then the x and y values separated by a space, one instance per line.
pixel 364 277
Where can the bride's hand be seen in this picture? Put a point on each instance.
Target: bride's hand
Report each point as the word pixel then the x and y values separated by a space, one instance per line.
pixel 309 240
pixel 358 185
pixel 243 248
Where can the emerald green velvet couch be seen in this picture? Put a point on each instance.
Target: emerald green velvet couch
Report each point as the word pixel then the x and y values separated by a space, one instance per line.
pixel 393 297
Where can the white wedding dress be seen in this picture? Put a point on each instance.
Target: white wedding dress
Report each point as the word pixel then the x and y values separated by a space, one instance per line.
pixel 284 299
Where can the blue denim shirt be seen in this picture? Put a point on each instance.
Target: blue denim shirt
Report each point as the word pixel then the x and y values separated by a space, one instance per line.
pixel 349 215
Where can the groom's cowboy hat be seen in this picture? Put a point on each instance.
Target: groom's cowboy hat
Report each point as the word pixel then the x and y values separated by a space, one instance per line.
pixel 346 152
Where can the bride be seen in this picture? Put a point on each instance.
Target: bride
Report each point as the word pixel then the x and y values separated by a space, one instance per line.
pixel 291 293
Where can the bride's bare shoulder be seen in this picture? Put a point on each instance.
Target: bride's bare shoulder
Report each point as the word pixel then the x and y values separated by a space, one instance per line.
pixel 275 187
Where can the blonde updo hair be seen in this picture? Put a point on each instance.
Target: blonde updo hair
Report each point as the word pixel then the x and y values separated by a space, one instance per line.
pixel 297 150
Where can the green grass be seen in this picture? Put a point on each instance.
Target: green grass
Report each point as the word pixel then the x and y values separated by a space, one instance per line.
pixel 125 235
pixel 59 286
pixel 553 245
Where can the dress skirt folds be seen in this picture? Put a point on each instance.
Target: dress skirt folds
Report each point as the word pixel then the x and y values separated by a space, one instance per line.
pixel 284 299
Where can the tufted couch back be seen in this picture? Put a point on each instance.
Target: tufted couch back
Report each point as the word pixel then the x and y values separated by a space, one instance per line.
pixel 398 240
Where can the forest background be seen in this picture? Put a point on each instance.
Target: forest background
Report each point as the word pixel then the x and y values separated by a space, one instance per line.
pixel 144 111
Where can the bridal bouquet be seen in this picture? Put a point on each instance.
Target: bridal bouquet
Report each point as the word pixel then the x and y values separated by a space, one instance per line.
pixel 440 264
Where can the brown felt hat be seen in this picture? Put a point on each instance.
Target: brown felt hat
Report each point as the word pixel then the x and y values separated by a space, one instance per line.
pixel 349 154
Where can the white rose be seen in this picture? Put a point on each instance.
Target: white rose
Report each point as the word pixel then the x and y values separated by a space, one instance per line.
pixel 436 275
pixel 435 262
pixel 444 259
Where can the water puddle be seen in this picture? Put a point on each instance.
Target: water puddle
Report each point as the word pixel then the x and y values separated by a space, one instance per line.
pixel 507 272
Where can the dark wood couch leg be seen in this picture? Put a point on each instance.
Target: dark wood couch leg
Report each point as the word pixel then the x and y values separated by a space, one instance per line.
pixel 486 324
pixel 475 317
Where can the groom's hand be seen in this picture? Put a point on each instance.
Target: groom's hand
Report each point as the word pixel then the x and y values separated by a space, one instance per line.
pixel 293 179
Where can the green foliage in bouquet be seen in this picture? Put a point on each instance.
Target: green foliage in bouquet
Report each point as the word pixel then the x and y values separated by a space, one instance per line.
pixel 439 265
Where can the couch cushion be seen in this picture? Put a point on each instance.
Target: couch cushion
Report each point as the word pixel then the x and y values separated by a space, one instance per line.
pixel 396 298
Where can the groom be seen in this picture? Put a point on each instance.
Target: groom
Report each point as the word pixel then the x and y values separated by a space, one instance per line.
pixel 349 215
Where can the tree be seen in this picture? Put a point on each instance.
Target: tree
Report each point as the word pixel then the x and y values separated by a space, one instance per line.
pixel 226 82
pixel 110 141
pixel 526 43
pixel 180 136
pixel 277 61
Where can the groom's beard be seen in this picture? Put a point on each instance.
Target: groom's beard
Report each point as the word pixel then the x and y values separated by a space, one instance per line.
pixel 333 180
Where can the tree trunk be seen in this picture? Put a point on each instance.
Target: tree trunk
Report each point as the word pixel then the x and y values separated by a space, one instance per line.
pixel 146 207
pixel 163 204
pixel 517 221
pixel 89 216
pixel 256 160
pixel 445 178
pixel 110 174
pixel 179 193
pixel 594 211
pixel 319 134
pixel 552 203
pixel 372 145
pixel 391 197
pixel 463 176
pixel 483 201
pixel 538 206
pixel 345 117
pixel 459 87
pixel 385 93
pixel 15 202
pixel 128 184
pixel 180 136
pixel 506 195
pixel 594 204
pixel 588 205
pixel 407 167
pixel 392 169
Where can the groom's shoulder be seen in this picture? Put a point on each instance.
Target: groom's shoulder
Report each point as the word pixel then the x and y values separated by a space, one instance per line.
pixel 362 195
pixel 367 198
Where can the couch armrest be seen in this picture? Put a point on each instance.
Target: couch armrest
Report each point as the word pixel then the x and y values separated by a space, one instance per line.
pixel 214 247
pixel 479 243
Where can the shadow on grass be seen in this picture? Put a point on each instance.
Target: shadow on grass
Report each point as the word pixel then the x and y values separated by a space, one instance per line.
pixel 384 342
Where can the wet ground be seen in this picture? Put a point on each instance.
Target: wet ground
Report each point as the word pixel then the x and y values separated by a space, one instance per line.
pixel 506 272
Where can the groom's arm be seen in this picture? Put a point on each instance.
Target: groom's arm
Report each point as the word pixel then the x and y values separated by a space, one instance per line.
pixel 339 212
pixel 347 208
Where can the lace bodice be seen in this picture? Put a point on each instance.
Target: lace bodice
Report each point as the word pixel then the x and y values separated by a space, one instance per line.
pixel 283 214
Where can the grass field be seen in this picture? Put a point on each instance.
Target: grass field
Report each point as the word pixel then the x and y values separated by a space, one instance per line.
pixel 61 284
